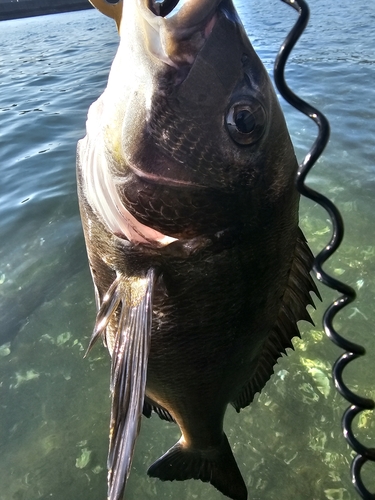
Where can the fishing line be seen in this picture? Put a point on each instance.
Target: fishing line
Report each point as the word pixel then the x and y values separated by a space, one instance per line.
pixel 352 350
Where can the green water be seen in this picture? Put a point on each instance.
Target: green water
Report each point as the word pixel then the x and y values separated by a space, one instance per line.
pixel 54 405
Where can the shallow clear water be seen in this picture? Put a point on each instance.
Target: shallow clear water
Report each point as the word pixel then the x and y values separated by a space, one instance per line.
pixel 54 405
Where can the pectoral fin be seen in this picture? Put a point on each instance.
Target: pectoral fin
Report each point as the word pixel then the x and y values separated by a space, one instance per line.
pixel 125 317
pixel 128 378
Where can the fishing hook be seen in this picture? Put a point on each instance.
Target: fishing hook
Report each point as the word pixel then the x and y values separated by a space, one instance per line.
pixel 352 350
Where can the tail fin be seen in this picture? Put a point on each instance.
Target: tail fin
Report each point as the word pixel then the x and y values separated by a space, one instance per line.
pixel 217 466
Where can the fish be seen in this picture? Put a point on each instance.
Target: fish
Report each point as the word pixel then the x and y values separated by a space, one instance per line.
pixel 186 186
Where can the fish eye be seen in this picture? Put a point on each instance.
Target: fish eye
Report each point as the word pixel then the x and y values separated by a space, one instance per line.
pixel 246 121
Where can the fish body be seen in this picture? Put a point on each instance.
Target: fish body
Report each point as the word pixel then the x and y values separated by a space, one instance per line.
pixel 190 214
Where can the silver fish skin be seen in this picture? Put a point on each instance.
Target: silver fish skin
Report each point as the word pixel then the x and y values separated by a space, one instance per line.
pixel 190 215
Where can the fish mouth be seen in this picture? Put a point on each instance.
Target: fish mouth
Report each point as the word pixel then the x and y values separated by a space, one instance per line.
pixel 182 14
pixel 177 29
pixel 162 8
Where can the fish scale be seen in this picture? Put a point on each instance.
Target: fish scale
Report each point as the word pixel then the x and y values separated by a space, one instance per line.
pixel 187 143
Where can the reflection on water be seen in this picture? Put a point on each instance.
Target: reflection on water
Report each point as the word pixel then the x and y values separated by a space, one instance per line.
pixel 54 406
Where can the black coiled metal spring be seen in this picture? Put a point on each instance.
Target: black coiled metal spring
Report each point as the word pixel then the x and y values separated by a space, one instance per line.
pixel 352 350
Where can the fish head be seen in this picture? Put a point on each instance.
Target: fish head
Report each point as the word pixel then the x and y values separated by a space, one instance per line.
pixel 189 103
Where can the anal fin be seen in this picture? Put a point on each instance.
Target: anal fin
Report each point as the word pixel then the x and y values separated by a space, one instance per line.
pixel 149 406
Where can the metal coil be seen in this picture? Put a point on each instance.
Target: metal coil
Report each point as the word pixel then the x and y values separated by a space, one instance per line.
pixel 352 350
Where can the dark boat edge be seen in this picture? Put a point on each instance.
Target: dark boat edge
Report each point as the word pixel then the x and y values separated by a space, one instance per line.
pixel 11 9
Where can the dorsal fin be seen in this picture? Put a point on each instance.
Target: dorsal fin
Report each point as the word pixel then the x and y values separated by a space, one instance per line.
pixel 113 10
pixel 293 308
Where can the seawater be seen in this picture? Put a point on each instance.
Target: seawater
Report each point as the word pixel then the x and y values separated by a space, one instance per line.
pixel 54 405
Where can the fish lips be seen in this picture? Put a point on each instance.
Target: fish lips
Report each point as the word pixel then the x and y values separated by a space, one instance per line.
pixel 175 35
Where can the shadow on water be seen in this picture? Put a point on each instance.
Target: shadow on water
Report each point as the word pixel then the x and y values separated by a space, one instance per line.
pixel 54 406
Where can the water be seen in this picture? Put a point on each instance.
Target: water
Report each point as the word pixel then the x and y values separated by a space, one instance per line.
pixel 54 406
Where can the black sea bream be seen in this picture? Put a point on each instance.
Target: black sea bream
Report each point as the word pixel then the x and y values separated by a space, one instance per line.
pixel 190 214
